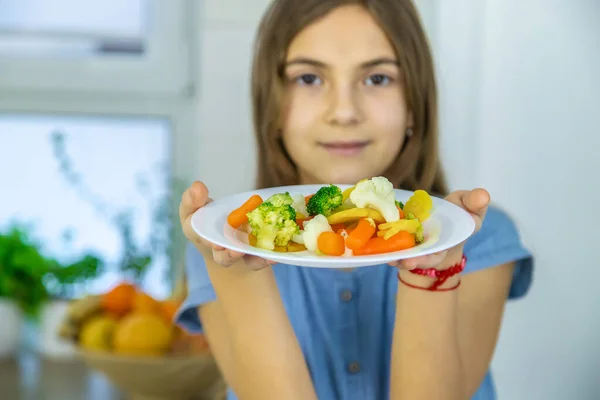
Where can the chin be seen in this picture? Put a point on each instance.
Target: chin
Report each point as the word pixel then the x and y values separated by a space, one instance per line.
pixel 342 177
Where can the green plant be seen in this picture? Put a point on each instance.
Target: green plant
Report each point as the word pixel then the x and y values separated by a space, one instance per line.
pixel 30 278
pixel 136 255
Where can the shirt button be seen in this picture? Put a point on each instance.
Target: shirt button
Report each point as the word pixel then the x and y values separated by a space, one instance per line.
pixel 354 368
pixel 346 296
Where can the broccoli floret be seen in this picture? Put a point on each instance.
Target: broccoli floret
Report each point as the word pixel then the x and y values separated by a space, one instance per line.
pixel 325 201
pixel 281 199
pixel 273 225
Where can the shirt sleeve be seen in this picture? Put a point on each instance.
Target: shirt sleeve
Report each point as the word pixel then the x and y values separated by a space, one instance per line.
pixel 200 291
pixel 498 242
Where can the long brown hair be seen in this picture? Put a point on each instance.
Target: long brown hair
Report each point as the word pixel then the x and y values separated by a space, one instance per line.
pixel 417 165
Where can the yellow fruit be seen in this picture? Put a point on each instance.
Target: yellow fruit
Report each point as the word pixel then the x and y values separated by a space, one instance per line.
pixel 142 334
pixel 419 204
pixel 97 333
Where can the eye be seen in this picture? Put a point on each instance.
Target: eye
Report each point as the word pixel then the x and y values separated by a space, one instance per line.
pixel 378 80
pixel 308 79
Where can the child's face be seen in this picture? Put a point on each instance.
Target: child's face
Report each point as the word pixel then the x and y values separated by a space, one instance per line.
pixel 345 115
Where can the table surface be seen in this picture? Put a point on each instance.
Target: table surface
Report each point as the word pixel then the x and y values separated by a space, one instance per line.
pixel 30 377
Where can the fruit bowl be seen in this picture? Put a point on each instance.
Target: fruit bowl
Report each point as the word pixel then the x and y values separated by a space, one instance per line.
pixel 129 337
pixel 194 377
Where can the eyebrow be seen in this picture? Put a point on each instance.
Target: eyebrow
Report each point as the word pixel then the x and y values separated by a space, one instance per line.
pixel 315 63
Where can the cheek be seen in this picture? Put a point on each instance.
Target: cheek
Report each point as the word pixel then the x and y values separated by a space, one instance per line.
pixel 301 115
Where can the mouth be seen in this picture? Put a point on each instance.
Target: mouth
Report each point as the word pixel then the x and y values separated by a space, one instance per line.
pixel 345 148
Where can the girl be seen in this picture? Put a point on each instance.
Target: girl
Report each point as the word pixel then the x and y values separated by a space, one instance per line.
pixel 345 90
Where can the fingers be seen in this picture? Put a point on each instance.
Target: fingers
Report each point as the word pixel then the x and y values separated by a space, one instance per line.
pixel 475 202
pixel 227 258
pixel 193 198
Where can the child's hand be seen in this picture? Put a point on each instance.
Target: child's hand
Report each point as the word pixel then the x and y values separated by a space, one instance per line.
pixel 475 202
pixel 195 197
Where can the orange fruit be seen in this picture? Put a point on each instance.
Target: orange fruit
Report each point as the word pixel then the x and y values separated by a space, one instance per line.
pixel 144 303
pixel 142 334
pixel 169 309
pixel 118 300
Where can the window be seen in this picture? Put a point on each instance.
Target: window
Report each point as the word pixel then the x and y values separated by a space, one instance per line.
pixel 139 46
pixel 68 176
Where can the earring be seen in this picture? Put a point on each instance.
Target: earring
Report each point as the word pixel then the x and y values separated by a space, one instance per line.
pixel 409 132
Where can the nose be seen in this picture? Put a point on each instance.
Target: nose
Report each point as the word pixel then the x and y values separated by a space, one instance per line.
pixel 343 106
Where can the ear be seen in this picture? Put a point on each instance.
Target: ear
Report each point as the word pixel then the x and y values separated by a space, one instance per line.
pixel 410 120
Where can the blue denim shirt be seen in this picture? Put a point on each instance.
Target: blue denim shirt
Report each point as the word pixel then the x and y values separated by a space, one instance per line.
pixel 345 320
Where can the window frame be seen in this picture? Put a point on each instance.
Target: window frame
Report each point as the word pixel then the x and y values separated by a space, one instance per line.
pixel 163 69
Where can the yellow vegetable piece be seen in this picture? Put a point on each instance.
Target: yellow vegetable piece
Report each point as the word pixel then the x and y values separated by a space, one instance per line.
pixel 354 214
pixel 389 229
pixel 346 193
pixel 420 205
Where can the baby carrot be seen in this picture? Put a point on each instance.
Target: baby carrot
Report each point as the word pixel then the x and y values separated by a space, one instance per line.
pixel 331 243
pixel 359 236
pixel 377 245
pixel 307 198
pixel 238 216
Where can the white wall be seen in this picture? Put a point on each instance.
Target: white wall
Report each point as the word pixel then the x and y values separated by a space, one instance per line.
pixel 520 111
pixel 538 139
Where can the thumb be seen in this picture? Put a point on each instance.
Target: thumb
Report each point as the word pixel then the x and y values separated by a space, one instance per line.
pixel 195 197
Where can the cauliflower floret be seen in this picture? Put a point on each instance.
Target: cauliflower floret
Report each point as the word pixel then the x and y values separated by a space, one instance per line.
pixel 299 205
pixel 312 229
pixel 376 193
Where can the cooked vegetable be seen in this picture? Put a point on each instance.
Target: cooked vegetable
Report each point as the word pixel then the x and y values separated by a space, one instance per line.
pixel 312 229
pixel 400 241
pixel 389 229
pixel 273 225
pixel 419 234
pixel 420 205
pixel 400 207
pixel 363 232
pixel 354 214
pixel 281 199
pixel 325 201
pixel 376 193
pixel 299 205
pixel 238 216
pixel 331 243
pixel 289 248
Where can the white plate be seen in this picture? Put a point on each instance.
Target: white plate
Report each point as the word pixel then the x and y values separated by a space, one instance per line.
pixel 448 226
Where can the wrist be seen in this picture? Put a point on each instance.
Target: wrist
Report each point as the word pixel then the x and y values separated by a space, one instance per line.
pixel 444 277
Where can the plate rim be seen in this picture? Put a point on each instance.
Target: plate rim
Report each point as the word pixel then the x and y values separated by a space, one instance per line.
pixel 317 261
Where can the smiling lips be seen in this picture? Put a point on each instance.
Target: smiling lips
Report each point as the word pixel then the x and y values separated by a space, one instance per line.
pixel 345 148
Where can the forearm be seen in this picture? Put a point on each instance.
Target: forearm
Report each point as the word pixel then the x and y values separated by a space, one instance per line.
pixel 267 362
pixel 426 358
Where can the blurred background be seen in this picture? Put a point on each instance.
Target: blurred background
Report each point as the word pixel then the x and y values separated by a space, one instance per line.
pixel 109 109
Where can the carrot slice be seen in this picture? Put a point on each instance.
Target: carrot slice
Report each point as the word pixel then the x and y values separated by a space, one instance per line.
pixel 337 227
pixel 377 245
pixel 238 216
pixel 359 236
pixel 307 198
pixel 331 243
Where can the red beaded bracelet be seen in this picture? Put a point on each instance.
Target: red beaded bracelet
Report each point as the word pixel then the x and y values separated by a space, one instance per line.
pixel 440 275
